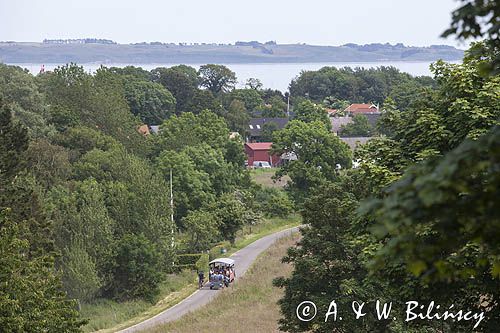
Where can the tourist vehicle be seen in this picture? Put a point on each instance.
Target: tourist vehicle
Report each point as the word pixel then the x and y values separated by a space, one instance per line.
pixel 222 273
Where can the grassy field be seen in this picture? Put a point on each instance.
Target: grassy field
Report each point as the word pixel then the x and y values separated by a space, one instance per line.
pixel 110 316
pixel 249 305
pixel 263 177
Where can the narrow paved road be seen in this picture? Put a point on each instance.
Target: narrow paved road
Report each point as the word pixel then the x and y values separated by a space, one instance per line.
pixel 243 259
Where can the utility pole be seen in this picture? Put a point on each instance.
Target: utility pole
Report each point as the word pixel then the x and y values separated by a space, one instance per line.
pixel 288 105
pixel 171 210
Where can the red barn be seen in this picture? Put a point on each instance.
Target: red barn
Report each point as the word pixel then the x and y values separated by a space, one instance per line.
pixel 260 151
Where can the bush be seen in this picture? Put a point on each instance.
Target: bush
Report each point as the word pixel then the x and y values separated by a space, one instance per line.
pixel 278 205
pixel 137 271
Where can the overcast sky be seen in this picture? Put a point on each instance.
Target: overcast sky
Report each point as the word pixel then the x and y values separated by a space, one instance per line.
pixel 319 22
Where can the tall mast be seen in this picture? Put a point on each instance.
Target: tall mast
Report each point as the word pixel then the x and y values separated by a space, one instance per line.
pixel 171 210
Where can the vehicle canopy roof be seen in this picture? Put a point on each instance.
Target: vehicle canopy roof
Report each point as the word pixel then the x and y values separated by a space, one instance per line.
pixel 224 261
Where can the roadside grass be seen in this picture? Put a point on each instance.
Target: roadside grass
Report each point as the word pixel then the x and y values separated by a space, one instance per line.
pixel 264 178
pixel 249 305
pixel 109 316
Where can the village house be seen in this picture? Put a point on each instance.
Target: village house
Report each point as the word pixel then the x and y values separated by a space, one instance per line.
pixel 256 125
pixel 261 152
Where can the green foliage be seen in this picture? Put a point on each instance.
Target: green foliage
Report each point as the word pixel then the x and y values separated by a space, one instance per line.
pixel 237 117
pixel 93 101
pixel 476 19
pixel 453 197
pixel 429 231
pixel 19 90
pixel 30 295
pixel 279 205
pixel 79 273
pixel 359 127
pixel 319 155
pixel 150 101
pixel 189 129
pixel 275 107
pixel 309 112
pixel 202 230
pixel 251 98
pixel 217 78
pixel 230 214
pixel 181 81
pixel 358 85
pixel 137 269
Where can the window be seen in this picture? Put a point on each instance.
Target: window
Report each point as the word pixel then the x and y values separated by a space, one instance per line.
pixel 251 126
pixel 258 126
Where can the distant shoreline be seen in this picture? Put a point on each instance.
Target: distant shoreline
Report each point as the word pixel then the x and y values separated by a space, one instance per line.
pixel 22 53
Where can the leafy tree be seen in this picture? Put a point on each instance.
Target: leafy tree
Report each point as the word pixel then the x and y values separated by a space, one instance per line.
pixel 95 101
pixel 18 190
pixel 250 97
pixel 202 228
pixel 309 112
pixel 237 117
pixel 80 140
pixel 319 154
pixel 189 129
pixel 230 212
pixel 49 163
pixel 275 108
pixel 359 127
pixel 135 73
pixel 253 83
pixel 217 78
pixel 149 101
pixel 476 19
pixel 181 81
pixel 326 264
pixel 204 100
pixel 19 90
pixel 137 270
pixel 192 186
pixel 279 205
pixel 31 299
pixel 79 273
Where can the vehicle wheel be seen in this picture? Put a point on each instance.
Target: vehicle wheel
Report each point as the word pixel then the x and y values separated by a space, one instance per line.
pixel 211 287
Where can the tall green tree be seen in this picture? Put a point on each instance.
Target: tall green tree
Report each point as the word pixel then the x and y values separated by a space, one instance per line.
pixel 150 101
pixel 182 81
pixel 217 78
pixel 31 299
pixel 316 155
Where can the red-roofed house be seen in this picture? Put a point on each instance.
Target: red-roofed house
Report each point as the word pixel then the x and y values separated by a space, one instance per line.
pixel 260 151
pixel 361 109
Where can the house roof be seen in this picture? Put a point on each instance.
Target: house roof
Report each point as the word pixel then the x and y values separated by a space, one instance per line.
pixel 259 145
pixel 256 124
pixel 362 108
pixel 354 142
pixel 337 123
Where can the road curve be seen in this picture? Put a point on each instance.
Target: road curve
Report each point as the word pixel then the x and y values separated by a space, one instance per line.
pixel 243 259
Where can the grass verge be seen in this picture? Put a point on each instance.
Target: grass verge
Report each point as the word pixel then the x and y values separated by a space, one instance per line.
pixel 264 178
pixel 249 305
pixel 109 316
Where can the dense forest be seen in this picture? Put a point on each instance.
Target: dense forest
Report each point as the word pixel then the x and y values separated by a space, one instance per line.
pixel 84 196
